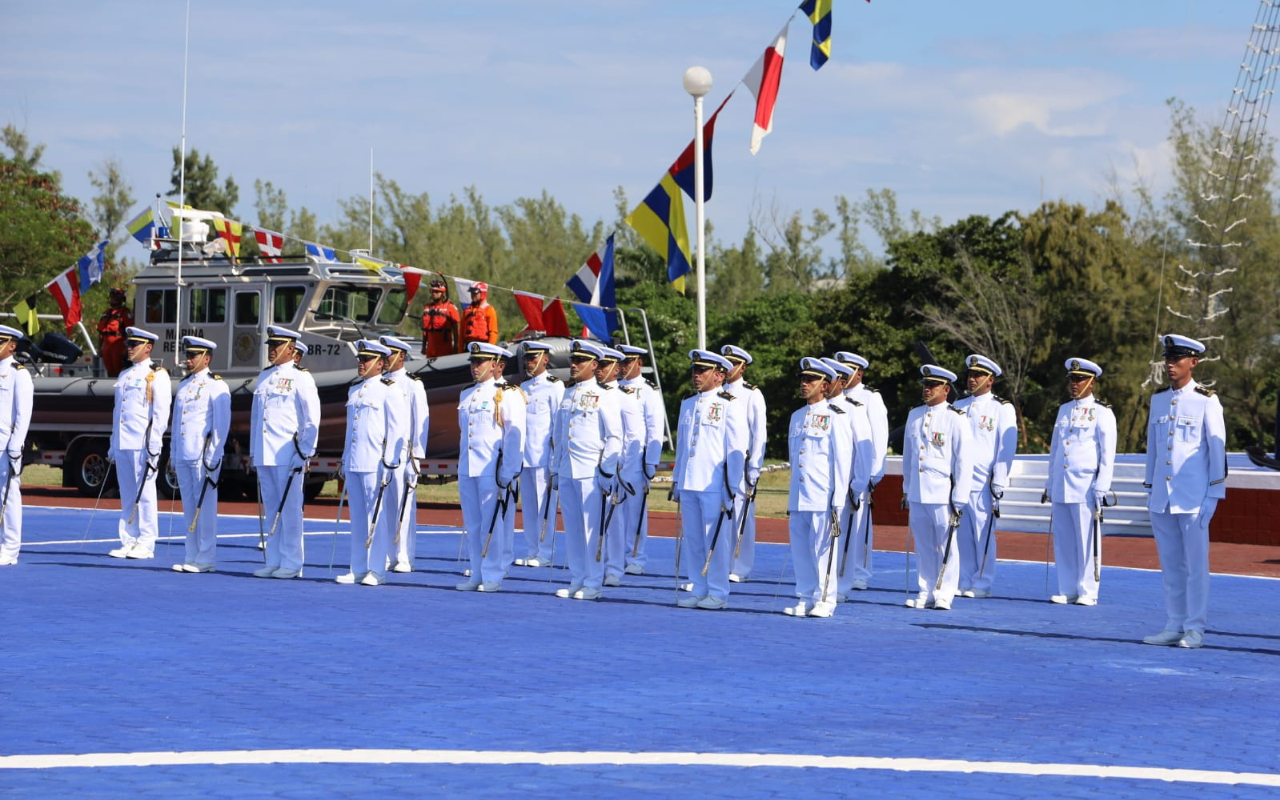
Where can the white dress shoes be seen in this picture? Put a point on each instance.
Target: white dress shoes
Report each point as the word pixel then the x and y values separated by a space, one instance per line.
pixel 1191 640
pixel 710 603
pixel 800 609
pixel 569 591
pixel 688 602
pixel 587 593
pixel 489 586
pixel 612 580
pixel 468 586
pixel 634 569
pixel 264 572
pixel 1164 638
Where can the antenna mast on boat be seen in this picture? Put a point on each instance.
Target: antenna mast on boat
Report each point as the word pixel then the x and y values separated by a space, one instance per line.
pixel 182 186
pixel 1222 205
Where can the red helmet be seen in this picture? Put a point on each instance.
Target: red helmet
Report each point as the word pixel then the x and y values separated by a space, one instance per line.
pixel 479 287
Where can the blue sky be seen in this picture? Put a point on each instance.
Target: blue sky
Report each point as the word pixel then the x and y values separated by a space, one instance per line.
pixel 960 107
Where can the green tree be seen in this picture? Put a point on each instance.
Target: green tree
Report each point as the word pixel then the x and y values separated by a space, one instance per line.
pixel 43 231
pixel 112 204
pixel 201 183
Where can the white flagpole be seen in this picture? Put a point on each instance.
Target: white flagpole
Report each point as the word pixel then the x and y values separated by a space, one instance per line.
pixel 697 82
pixel 182 187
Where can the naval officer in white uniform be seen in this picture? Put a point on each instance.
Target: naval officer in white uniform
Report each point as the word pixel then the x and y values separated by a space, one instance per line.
pixel 820 449
pixel 197 438
pixel 284 427
pixel 994 425
pixel 491 456
pixel 588 445
pixel 403 525
pixel 543 392
pixel 858 569
pixel 937 476
pixel 628 487
pixel 752 399
pixel 143 395
pixel 711 456
pixel 1082 460
pixel 1187 476
pixel 636 509
pixel 373 453
pixel 16 392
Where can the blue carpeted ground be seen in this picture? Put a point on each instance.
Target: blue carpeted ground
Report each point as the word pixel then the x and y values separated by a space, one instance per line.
pixel 103 656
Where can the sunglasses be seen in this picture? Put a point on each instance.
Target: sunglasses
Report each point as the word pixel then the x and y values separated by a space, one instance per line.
pixel 1078 378
pixel 699 368
pixel 135 342
pixel 581 359
pixel 363 358
pixel 190 354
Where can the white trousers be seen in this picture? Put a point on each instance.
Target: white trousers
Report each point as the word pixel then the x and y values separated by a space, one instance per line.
pixel 369 554
pixel 11 542
pixel 535 486
pixel 479 497
pixel 131 470
pixel 202 543
pixel 620 538
pixel 929 523
pixel 1182 541
pixel 855 551
pixel 1073 549
pixel 976 539
pixel 813 556
pixel 404 535
pixel 284 548
pixel 508 523
pixel 700 513
pixel 745 560
pixel 580 505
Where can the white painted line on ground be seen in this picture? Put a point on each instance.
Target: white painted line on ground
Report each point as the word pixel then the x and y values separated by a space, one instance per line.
pixel 599 758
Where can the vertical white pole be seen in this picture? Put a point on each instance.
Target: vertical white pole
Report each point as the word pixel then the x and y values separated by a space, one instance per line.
pixel 182 193
pixel 700 221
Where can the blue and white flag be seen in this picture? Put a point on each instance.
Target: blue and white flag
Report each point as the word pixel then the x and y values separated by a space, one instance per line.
pixel 320 251
pixel 91 266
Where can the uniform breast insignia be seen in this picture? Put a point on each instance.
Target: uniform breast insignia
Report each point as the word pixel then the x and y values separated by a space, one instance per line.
pixel 588 401
pixel 388 381
pixel 821 422
pixel 726 395
pixel 715 412
pixel 939 439
pixel 1207 392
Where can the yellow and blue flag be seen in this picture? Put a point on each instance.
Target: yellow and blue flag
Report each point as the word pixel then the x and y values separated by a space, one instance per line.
pixel 819 13
pixel 659 219
pixel 26 314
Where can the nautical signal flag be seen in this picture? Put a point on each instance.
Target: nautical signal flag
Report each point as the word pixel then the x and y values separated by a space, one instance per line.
pixel 763 80
pixel 270 243
pixel 682 170
pixel 659 219
pixel 323 252
pixel 371 264
pixel 147 226
pixel 91 266
pixel 412 280
pixel 26 314
pixel 66 291
pixel 593 283
pixel 231 231
pixel 819 13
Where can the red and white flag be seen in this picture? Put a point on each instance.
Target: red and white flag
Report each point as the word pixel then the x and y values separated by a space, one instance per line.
pixel 66 290
pixel 763 80
pixel 270 243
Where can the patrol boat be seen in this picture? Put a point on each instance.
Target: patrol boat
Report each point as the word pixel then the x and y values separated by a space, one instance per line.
pixel 231 302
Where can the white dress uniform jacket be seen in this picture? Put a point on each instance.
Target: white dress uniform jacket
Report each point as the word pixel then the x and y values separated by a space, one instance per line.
pixel 588 431
pixel 994 425
pixel 144 395
pixel 201 418
pixel 820 446
pixel 878 416
pixel 491 428
pixel 16 392
pixel 403 523
pixel 935 449
pixel 1186 449
pixel 711 444
pixel 1082 454
pixel 286 417
pixel 543 394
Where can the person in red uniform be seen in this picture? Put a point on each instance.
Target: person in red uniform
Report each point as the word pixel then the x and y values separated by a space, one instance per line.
pixel 111 327
pixel 440 323
pixel 479 321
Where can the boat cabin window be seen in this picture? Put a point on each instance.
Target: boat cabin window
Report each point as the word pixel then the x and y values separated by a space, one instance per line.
pixel 208 306
pixel 393 308
pixel 160 307
pixel 247 312
pixel 349 302
pixel 286 300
